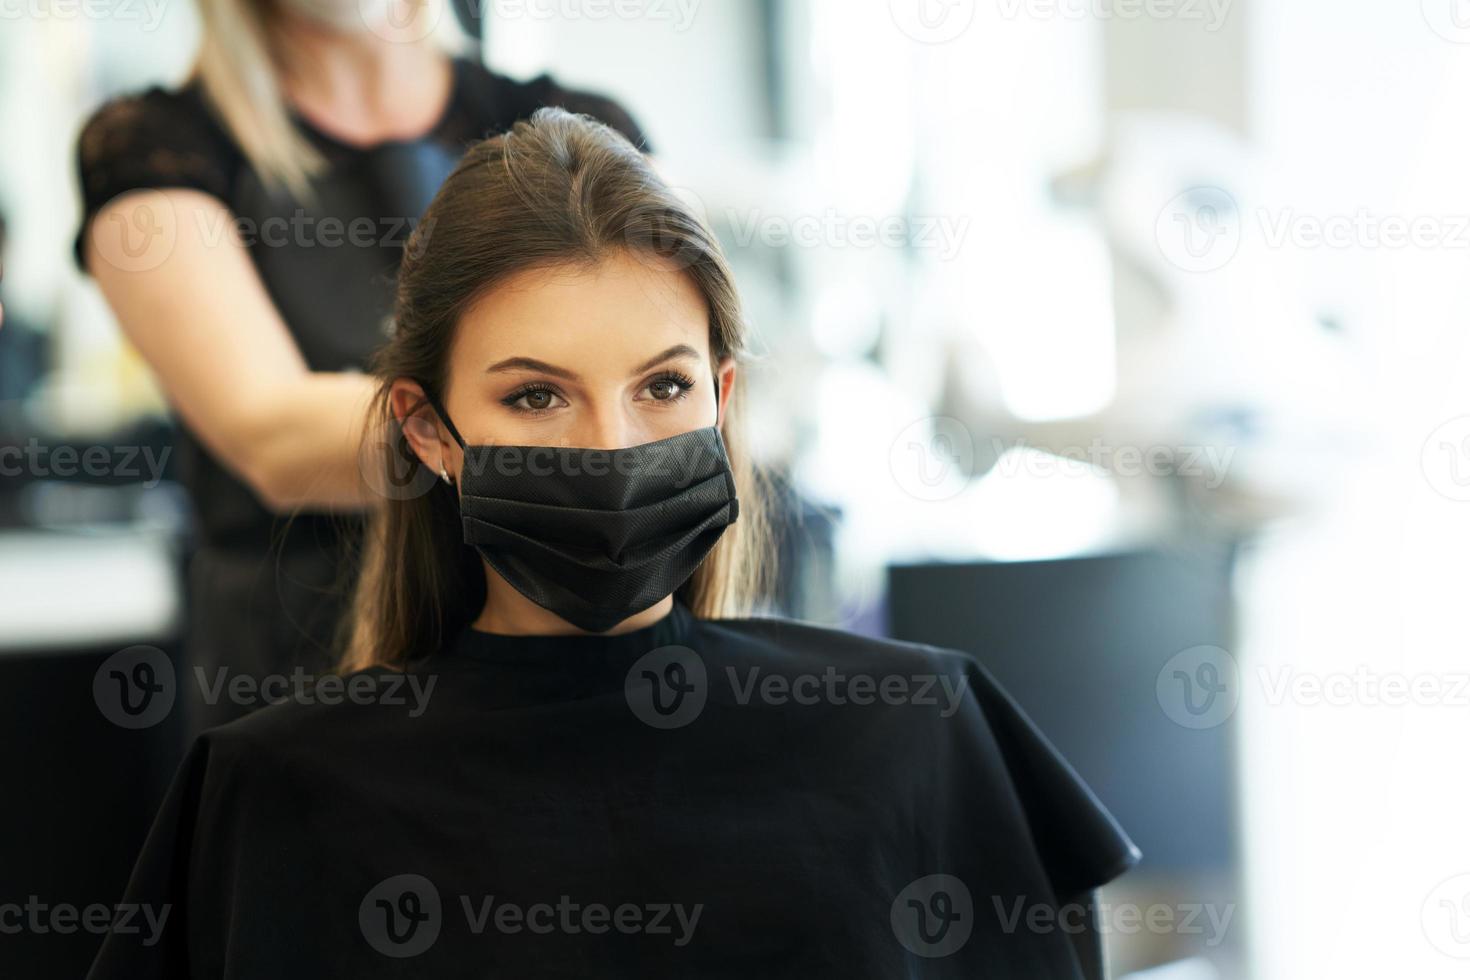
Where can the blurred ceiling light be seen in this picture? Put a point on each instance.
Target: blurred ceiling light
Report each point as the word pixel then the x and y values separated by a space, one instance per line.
pixel 1048 321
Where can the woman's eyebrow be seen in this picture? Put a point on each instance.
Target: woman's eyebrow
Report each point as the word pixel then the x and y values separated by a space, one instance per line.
pixel 678 350
pixel 532 364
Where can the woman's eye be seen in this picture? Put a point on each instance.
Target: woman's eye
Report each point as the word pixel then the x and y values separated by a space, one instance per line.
pixel 670 388
pixel 532 400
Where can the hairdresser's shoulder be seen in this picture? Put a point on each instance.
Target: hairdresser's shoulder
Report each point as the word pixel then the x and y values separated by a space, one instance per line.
pixel 152 138
pixel 154 114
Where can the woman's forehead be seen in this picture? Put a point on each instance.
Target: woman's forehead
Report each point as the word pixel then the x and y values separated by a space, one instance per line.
pixel 602 317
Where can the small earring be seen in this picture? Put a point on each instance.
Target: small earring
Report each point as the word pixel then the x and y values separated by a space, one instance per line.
pixel 443 475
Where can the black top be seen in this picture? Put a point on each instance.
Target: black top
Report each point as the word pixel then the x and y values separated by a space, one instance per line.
pixel 698 798
pixel 265 592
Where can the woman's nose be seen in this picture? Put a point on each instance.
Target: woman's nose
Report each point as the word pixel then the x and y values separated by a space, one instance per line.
pixel 607 428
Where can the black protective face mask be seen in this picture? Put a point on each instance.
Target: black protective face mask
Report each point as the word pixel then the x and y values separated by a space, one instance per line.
pixel 596 535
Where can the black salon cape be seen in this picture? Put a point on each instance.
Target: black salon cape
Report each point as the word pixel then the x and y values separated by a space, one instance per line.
pixel 356 840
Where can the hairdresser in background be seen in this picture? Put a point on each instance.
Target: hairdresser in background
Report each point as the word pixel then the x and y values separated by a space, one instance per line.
pixel 246 227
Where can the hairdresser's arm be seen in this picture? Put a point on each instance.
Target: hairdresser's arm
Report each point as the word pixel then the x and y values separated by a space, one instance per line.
pixel 204 322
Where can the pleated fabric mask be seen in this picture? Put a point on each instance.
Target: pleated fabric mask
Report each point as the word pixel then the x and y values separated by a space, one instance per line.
pixel 596 535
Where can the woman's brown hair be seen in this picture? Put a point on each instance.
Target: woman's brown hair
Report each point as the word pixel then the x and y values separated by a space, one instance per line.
pixel 557 189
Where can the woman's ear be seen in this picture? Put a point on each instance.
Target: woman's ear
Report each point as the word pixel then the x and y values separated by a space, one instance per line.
pixel 421 426
pixel 725 380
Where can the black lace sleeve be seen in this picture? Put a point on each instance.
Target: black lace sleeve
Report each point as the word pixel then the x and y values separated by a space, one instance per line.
pixel 153 139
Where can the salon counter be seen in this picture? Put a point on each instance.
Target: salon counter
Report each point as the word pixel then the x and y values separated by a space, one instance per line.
pixel 80 789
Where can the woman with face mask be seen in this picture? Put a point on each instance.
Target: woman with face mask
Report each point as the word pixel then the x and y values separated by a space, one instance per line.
pixel 562 746
pixel 245 228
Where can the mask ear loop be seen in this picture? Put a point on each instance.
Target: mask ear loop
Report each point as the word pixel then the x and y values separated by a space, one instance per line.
pixel 443 415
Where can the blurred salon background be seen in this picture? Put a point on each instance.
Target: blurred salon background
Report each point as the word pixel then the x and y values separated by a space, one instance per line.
pixel 1120 342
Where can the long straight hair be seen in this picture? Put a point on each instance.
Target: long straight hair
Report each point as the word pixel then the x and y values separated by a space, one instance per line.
pixel 559 188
